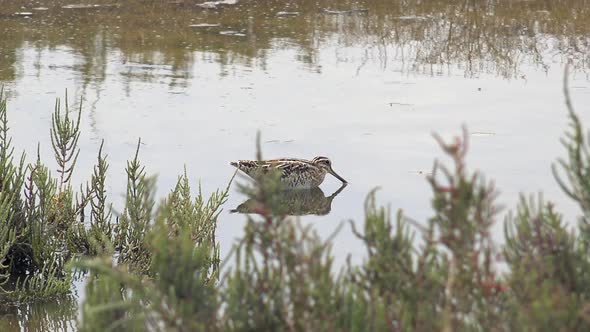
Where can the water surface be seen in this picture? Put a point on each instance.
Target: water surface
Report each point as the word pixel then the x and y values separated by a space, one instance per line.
pixel 362 82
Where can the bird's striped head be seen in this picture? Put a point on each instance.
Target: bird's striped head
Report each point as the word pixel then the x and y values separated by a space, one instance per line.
pixel 323 162
pixel 326 164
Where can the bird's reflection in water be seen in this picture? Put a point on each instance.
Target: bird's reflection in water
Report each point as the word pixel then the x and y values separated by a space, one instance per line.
pixel 297 202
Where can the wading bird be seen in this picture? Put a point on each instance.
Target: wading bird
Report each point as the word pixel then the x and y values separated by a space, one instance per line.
pixel 295 173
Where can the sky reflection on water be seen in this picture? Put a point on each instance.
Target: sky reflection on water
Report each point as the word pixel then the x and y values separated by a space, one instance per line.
pixel 365 90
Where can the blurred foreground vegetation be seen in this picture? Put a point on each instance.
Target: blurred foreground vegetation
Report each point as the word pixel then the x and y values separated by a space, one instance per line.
pixel 156 266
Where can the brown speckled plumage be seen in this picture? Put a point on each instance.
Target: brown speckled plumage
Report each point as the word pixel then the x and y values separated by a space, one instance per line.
pixel 295 173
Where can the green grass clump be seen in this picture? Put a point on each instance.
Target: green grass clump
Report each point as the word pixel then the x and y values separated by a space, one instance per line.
pixel 169 276
pixel 40 216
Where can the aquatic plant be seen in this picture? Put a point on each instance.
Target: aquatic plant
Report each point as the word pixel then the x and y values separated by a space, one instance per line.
pixel 549 266
pixel 43 224
pixel 38 216
pixel 174 278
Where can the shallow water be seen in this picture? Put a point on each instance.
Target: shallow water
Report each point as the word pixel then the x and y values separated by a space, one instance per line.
pixel 366 89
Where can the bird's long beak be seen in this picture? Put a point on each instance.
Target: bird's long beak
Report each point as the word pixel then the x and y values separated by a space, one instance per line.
pixel 337 176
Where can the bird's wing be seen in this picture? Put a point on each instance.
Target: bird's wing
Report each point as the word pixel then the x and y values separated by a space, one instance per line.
pixel 286 166
pixel 293 166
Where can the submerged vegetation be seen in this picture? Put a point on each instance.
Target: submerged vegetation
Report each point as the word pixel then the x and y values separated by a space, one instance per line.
pixel 157 266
